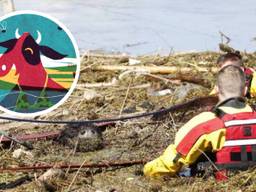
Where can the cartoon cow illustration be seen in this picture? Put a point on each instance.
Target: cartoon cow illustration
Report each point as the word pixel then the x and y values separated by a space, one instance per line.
pixel 23 55
pixel 21 64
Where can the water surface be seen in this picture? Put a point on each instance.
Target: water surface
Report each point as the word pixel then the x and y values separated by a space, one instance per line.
pixel 143 26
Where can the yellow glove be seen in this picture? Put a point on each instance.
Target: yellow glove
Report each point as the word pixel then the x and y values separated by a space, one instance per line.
pixel 253 86
pixel 163 165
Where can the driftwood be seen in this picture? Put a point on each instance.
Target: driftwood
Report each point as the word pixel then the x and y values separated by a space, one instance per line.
pixel 192 79
pixel 155 69
pixel 95 85
pixel 74 166
pixel 112 83
pixel 187 74
pixel 223 36
pixel 226 48
pixel 107 56
pixel 166 80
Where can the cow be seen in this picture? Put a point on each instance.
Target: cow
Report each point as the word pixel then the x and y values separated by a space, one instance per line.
pixel 23 55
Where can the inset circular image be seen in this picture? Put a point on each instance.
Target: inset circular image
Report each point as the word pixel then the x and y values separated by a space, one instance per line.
pixel 39 63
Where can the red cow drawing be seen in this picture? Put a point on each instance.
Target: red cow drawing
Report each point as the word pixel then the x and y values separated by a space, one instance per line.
pixel 23 54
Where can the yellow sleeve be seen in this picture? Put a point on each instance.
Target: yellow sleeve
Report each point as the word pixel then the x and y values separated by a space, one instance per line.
pixel 253 85
pixel 165 165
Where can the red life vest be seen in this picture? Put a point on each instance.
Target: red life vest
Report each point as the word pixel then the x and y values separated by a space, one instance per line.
pixel 239 150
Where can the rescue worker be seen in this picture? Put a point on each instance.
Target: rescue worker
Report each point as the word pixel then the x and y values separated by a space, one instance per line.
pixel 236 59
pixel 210 131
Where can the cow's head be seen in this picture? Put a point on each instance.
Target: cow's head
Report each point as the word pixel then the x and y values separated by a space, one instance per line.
pixel 30 48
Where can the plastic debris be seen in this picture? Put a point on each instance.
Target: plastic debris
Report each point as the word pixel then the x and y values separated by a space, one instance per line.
pixel 134 61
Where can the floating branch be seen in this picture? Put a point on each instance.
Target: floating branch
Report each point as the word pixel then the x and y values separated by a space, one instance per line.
pixel 155 69
pixel 74 166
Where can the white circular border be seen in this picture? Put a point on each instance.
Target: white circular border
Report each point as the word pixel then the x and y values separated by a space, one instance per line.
pixel 77 63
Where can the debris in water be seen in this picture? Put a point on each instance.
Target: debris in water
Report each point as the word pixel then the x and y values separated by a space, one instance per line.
pixel 51 173
pixel 19 153
pixel 134 61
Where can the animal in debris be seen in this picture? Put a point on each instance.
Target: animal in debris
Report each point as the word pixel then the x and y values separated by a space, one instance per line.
pixel 82 137
pixel 23 56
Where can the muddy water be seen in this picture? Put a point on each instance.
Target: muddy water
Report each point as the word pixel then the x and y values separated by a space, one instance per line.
pixel 144 27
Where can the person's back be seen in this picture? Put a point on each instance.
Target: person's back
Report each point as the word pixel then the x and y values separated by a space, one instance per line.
pixel 207 132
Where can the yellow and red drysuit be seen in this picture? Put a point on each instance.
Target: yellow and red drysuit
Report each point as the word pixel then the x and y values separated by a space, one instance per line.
pixel 250 76
pixel 205 132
